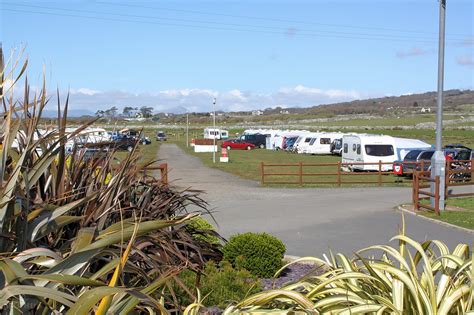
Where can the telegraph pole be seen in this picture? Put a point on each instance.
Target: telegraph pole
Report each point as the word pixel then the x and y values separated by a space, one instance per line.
pixel 438 161
pixel 214 127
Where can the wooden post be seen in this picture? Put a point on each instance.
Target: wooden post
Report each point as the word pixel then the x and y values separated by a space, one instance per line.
pixel 164 173
pixel 422 166
pixel 437 195
pixel 301 173
pixel 380 173
pixel 446 180
pixel 339 173
pixel 416 187
pixel 472 170
pixel 262 173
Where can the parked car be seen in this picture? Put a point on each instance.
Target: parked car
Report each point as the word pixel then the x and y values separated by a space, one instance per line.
pixel 336 147
pixel 237 144
pixel 258 140
pixel 125 143
pixel 161 136
pixel 416 158
pixel 144 140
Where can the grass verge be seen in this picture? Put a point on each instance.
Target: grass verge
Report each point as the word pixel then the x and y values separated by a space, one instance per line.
pixel 463 216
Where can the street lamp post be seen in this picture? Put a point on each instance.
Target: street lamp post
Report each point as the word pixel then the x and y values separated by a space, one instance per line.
pixel 214 129
pixel 438 161
pixel 187 129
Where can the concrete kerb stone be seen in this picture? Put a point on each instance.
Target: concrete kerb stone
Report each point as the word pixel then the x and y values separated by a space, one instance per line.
pixel 404 209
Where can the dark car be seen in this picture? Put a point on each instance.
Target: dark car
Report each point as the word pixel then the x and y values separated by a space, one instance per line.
pixel 237 144
pixel 161 136
pixel 125 143
pixel 144 140
pixel 258 140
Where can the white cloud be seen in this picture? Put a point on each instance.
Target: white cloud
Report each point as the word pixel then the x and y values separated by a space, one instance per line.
pixel 465 60
pixel 200 100
pixel 413 52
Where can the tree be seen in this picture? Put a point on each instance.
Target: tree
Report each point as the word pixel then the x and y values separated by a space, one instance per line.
pixel 111 112
pixel 99 113
pixel 127 111
pixel 146 111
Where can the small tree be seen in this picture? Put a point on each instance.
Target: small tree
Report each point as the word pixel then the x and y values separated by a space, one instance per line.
pixel 146 111
pixel 127 111
pixel 111 112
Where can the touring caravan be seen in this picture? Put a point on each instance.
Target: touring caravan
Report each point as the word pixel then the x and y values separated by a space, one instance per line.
pixel 369 148
pixel 303 145
pixel 218 134
pixel 321 144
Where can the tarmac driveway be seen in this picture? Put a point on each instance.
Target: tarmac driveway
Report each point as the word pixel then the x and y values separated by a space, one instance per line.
pixel 308 220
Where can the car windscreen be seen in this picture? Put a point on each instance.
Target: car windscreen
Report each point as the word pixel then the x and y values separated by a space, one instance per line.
pixel 412 155
pixel 426 155
pixel 379 149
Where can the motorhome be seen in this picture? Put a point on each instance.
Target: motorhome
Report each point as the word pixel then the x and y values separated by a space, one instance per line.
pixel 369 148
pixel 215 133
pixel 321 144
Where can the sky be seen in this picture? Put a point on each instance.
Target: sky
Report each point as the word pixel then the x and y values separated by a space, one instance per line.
pixel 176 56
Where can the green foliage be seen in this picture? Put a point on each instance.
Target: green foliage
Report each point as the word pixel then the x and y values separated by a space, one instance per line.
pixel 221 284
pixel 415 278
pixel 202 230
pixel 259 253
pixel 78 230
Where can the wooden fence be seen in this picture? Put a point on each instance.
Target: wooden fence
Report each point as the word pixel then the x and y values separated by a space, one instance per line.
pixel 163 168
pixel 300 175
pixel 455 177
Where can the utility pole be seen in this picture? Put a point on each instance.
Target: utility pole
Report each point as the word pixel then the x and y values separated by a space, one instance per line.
pixel 214 127
pixel 438 161
pixel 187 129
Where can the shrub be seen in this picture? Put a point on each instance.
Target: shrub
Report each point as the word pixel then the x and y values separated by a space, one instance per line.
pixel 202 230
pixel 260 253
pixel 220 284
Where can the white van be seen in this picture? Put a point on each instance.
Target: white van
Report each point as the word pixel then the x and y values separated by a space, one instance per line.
pixel 322 143
pixel 211 133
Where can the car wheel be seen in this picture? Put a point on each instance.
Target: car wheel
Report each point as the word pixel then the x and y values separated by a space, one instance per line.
pixel 228 147
pixel 129 148
pixel 262 146
pixel 249 147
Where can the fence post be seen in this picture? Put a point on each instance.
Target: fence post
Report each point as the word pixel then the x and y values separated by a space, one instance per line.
pixel 380 173
pixel 472 170
pixel 416 187
pixel 262 172
pixel 301 173
pixel 339 173
pixel 164 173
pixel 446 180
pixel 437 195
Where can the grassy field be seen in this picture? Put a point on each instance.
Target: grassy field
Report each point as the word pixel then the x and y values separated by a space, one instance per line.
pixel 463 217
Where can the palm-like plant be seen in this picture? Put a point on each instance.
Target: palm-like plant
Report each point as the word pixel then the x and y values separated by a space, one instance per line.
pixel 414 278
pixel 79 229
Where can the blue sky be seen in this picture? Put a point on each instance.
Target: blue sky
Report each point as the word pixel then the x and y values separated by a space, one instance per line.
pixel 178 55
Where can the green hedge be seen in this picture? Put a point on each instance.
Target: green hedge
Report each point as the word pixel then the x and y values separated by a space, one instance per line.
pixel 259 253
pixel 202 230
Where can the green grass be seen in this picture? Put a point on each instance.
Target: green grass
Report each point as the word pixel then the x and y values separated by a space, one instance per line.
pixel 387 121
pixel 463 217
pixel 246 164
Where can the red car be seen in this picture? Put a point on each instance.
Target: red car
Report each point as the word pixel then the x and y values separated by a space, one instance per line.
pixel 237 144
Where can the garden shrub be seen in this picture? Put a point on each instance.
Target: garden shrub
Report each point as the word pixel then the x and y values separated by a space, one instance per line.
pixel 220 284
pixel 259 253
pixel 200 228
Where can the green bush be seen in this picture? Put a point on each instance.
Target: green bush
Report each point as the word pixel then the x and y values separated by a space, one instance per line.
pixel 200 228
pixel 259 253
pixel 219 284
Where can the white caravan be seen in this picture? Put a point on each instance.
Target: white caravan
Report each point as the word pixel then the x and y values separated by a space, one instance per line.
pixel 211 133
pixel 321 144
pixel 304 144
pixel 279 140
pixel 368 148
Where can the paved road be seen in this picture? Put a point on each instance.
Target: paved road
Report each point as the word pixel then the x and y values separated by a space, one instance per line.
pixel 308 220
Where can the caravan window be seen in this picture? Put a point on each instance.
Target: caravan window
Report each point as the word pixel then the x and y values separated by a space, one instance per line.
pixel 312 141
pixel 307 140
pixel 346 146
pixel 379 150
pixel 354 147
pixel 358 149
pixel 325 141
